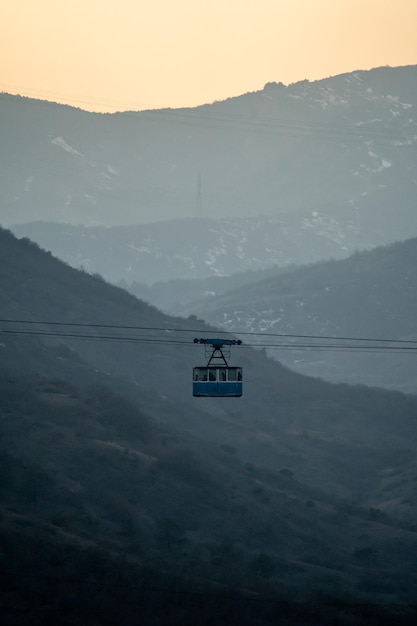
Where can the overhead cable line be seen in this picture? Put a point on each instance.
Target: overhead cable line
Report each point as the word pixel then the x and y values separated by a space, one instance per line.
pixel 404 347
pixel 215 331
pixel 73 100
pixel 243 121
pixel 284 126
pixel 187 342
pixel 129 339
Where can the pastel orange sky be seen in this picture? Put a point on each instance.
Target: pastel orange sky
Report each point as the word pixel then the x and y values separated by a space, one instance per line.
pixel 108 55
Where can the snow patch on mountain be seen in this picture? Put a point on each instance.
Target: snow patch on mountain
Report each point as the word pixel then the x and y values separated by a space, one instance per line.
pixel 61 143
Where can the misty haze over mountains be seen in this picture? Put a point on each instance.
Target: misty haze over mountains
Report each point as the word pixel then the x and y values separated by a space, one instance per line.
pixel 302 173
pixel 342 145
pixel 283 152
pixel 262 213
pixel 371 294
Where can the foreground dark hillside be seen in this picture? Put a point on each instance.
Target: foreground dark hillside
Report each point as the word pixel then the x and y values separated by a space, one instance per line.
pixel 107 507
pixel 116 476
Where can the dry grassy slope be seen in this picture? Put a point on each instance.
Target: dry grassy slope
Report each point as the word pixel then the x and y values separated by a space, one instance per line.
pixel 88 469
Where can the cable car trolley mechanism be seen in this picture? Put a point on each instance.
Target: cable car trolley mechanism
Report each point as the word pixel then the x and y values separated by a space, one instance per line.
pixel 217 379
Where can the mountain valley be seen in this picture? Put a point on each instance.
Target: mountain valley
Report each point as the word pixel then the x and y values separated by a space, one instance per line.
pixel 300 485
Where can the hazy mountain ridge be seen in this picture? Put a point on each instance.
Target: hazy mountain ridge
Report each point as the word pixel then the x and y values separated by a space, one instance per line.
pixel 175 296
pixel 370 294
pixel 216 490
pixel 342 144
pixel 194 248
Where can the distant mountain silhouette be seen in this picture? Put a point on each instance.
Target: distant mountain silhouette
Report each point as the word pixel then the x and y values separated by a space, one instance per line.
pixel 193 248
pixel 343 145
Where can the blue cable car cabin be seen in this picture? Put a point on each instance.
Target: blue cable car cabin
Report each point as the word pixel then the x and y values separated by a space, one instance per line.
pixel 217 381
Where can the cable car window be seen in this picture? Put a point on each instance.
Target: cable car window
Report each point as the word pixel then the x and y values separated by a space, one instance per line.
pixel 239 373
pixel 202 374
pixel 212 374
pixel 232 374
pixel 222 373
